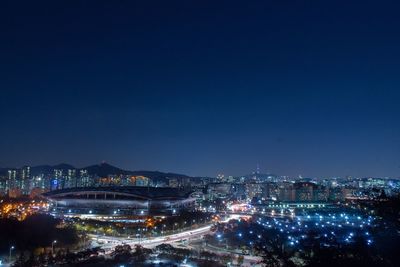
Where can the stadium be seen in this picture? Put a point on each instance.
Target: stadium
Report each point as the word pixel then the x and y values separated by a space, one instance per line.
pixel 119 202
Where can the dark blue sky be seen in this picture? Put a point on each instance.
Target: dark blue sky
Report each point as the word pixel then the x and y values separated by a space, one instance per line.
pixel 198 87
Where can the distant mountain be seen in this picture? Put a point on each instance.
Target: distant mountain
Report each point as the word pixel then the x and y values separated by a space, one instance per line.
pixel 63 166
pixel 105 169
pixel 102 170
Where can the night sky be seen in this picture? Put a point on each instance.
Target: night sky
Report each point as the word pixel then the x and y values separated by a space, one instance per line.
pixel 201 88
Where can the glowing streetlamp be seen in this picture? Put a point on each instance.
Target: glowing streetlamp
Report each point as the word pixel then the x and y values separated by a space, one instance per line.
pixel 11 249
pixel 52 246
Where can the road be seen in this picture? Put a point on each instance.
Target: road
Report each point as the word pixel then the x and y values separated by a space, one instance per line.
pixel 192 234
pixel 109 242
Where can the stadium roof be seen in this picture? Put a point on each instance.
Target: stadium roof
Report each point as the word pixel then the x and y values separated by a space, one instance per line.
pixel 134 191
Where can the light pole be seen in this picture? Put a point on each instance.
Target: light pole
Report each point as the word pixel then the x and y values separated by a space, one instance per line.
pixel 140 235
pixel 52 247
pixel 9 258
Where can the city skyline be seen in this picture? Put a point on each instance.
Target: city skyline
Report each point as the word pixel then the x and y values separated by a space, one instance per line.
pixel 203 88
pixel 120 170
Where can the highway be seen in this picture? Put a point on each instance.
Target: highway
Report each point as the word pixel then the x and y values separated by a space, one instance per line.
pixel 109 242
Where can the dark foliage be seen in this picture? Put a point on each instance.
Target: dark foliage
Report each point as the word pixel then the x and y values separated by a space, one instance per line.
pixel 36 231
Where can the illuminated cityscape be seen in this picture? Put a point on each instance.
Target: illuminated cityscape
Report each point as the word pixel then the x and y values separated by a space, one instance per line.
pixel 199 133
pixel 256 219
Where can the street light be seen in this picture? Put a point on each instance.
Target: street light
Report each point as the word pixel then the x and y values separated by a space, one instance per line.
pixel 140 234
pixel 97 235
pixel 11 249
pixel 52 246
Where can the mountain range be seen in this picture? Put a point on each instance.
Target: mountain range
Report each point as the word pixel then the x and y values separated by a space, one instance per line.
pixel 102 170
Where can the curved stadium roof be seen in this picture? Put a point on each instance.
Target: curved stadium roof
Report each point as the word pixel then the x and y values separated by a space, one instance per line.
pixel 150 193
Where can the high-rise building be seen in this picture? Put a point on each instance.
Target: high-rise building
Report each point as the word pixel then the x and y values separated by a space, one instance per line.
pixel 3 186
pixel 71 179
pixel 84 179
pixel 24 177
pixel 38 181
pixel 12 179
pixel 253 190
pixel 304 191
pixel 57 181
